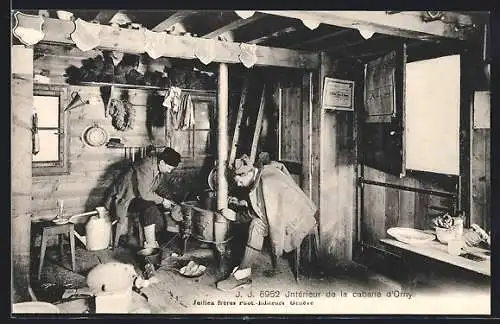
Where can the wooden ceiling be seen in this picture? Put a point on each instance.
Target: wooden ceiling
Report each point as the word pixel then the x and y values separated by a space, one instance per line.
pixel 277 30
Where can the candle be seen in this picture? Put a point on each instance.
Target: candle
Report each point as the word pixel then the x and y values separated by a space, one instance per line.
pixel 60 209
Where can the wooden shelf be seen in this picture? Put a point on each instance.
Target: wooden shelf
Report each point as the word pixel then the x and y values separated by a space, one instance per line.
pixel 135 86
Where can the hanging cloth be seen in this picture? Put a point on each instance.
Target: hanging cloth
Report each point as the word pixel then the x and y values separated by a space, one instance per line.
pixel 173 99
pixel 154 43
pixel 186 112
pixel 205 52
pixel 180 109
pixel 248 54
pixel 171 104
pixel 86 35
pixel 28 28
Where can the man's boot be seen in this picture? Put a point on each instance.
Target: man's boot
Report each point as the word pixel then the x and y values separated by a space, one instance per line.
pixel 239 278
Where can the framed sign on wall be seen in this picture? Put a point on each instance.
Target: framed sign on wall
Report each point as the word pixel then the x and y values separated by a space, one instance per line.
pixel 338 94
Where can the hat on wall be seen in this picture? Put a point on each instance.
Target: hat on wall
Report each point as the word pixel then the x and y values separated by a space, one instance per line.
pixel 170 156
pixel 242 165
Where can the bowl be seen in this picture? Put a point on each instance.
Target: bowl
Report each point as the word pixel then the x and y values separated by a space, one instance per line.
pixel 150 255
pixel 444 235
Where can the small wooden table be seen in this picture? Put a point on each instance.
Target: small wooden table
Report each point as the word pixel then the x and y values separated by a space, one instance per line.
pixel 438 251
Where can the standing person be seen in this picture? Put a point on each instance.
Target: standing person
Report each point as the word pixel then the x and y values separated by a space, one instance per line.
pixel 275 207
pixel 135 191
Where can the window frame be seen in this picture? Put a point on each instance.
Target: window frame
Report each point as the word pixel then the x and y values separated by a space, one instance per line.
pixel 61 166
pixel 211 100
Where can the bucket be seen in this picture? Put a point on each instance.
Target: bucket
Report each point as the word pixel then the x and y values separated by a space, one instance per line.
pixel 98 233
pixel 206 226
pixel 208 200
pixel 187 215
pixel 150 255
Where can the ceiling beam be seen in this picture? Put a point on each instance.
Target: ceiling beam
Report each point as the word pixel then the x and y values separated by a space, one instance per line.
pixel 318 39
pixel 238 23
pixel 276 34
pixel 347 44
pixel 172 20
pixel 133 41
pixel 407 24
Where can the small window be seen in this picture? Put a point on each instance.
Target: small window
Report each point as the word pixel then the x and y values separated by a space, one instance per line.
pixel 197 140
pixel 50 152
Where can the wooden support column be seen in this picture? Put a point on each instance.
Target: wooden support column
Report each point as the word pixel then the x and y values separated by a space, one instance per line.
pixel 22 109
pixel 221 226
pixel 337 179
pixel 222 149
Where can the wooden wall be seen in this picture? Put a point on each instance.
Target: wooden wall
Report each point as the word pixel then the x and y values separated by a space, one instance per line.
pixel 21 150
pixel 481 178
pixel 384 207
pixel 292 123
pixel 91 169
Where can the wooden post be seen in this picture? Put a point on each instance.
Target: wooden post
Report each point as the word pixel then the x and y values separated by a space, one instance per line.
pixel 221 225
pixel 22 110
pixel 222 99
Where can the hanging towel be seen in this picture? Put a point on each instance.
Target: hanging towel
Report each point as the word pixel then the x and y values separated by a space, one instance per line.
pixel 173 99
pixel 154 43
pixel 181 114
pixel 86 35
pixel 28 28
pixel 187 112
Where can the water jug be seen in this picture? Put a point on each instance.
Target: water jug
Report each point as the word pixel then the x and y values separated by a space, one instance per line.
pixel 98 232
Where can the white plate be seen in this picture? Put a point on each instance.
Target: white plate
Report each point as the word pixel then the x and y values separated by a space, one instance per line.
pixel 94 136
pixel 410 235
pixel 60 221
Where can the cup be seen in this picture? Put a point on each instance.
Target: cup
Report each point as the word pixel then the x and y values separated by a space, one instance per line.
pixel 455 246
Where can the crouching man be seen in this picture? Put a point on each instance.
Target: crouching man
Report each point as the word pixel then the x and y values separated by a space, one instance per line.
pixel 275 207
pixel 135 191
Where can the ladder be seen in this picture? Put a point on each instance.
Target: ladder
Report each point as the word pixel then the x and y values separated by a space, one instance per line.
pixel 239 120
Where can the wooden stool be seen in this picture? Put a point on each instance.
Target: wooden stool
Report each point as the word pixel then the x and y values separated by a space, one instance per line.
pixel 50 229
